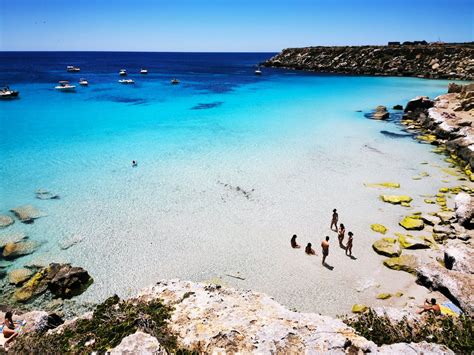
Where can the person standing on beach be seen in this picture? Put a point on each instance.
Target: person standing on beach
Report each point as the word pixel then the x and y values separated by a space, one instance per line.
pixel 293 242
pixel 349 244
pixel 325 246
pixel 341 233
pixel 335 218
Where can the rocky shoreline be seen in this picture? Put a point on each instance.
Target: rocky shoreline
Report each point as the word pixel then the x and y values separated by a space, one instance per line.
pixel 435 61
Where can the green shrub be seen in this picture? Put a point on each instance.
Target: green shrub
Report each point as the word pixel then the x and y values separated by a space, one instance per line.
pixel 456 333
pixel 110 323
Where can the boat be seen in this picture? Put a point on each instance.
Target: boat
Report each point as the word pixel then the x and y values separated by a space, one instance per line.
pixel 175 81
pixel 123 72
pixel 83 82
pixel 258 71
pixel 73 69
pixel 65 86
pixel 126 81
pixel 143 71
pixel 7 93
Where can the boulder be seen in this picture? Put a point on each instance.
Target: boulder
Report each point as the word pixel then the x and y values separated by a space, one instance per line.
pixel 383 296
pixel 69 281
pixel 464 208
pixel 15 250
pixel 6 221
pixel 410 223
pixel 379 228
pixel 406 263
pixel 398 107
pixel 139 343
pixel 459 258
pixel 454 88
pixel 19 276
pixel 380 113
pixel 415 349
pixel 11 238
pixel 27 213
pixel 62 280
pixel 420 102
pixel 359 308
pixel 387 247
pixel 430 220
pixel 411 242
pixel 396 199
pixel 455 285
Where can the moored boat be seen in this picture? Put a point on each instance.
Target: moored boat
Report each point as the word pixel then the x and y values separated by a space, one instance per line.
pixel 175 81
pixel 143 71
pixel 126 81
pixel 65 86
pixel 258 71
pixel 123 72
pixel 83 82
pixel 73 69
pixel 7 93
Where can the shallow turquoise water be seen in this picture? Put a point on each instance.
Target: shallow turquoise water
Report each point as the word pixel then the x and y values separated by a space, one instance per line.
pixel 294 141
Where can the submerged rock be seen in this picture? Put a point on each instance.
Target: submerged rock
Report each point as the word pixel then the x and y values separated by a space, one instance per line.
pixel 410 223
pixel 19 276
pixel 27 213
pixel 70 242
pixel 396 199
pixel 15 250
pixel 11 238
pixel 406 263
pixel 6 221
pixel 387 247
pixel 46 195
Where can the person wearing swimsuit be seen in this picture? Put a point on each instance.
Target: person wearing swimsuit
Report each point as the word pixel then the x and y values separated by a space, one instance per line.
pixel 9 329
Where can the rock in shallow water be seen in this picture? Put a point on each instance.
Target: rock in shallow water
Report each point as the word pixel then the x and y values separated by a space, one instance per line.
pixel 19 276
pixel 43 194
pixel 11 238
pixel 27 213
pixel 15 250
pixel 6 221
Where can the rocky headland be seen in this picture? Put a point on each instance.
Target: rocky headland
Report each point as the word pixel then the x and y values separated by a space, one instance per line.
pixel 436 61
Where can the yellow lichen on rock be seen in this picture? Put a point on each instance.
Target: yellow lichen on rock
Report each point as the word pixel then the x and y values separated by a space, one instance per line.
pixel 396 199
pixel 383 296
pixel 359 308
pixel 379 228
pixel 412 223
pixel 406 263
pixel 391 185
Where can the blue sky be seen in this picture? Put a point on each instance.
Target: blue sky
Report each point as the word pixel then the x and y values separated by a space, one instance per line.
pixel 227 25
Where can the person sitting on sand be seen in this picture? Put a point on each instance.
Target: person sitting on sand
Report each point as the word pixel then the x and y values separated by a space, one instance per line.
pixel 325 246
pixel 9 331
pixel 341 233
pixel 430 306
pixel 335 217
pixel 294 244
pixel 349 244
pixel 309 250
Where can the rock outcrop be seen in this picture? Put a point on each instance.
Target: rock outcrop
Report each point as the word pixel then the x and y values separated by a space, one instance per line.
pixel 448 61
pixel 139 343
pixel 27 213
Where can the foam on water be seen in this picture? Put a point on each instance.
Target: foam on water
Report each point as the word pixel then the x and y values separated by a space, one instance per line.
pixel 228 169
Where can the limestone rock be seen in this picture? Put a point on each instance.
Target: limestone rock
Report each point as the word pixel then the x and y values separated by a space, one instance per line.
pixel 27 213
pixel 455 285
pixel 6 221
pixel 383 296
pixel 391 185
pixel 387 247
pixel 380 113
pixel 15 250
pixel 430 220
pixel 398 107
pixel 139 343
pixel 464 208
pixel 11 238
pixel 43 194
pixel 459 258
pixel 420 102
pixel 19 276
pixel 410 223
pixel 407 263
pixel 408 241
pixel 379 228
pixel 359 308
pixel 396 199
pixel 414 349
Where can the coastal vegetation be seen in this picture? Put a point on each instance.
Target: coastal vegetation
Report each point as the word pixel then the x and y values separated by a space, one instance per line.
pixel 457 333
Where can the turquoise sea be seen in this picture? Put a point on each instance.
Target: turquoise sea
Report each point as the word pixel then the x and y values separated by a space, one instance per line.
pixel 230 165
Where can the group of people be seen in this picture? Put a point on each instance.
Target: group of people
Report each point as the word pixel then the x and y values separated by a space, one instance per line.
pixel 325 243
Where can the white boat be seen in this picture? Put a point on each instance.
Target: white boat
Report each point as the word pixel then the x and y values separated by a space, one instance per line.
pixel 123 72
pixel 7 93
pixel 73 69
pixel 258 72
pixel 143 71
pixel 126 81
pixel 83 82
pixel 65 86
pixel 175 81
